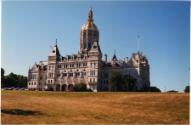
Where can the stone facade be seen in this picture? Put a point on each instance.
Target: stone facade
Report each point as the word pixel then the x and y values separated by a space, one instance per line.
pixel 61 73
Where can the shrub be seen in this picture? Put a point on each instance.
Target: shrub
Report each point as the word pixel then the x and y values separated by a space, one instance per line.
pixel 118 82
pixel 187 89
pixel 173 91
pixel 154 89
pixel 80 87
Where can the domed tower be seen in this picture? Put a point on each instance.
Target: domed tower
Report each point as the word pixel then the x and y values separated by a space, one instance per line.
pixel 89 33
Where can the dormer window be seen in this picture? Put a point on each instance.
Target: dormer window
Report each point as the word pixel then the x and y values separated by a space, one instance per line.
pixel 94 47
pixel 53 51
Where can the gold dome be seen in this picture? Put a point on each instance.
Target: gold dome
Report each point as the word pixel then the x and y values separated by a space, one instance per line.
pixel 89 25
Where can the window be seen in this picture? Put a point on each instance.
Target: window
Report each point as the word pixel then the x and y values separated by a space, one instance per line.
pixel 70 74
pixel 59 66
pixel 83 73
pixel 105 75
pixel 84 64
pixel 89 33
pixel 84 33
pixel 64 74
pixel 33 76
pixel 77 74
pixel 92 73
pixel 71 65
pixel 65 65
pixel 51 75
pixel 78 65
pixel 94 34
pixel 58 75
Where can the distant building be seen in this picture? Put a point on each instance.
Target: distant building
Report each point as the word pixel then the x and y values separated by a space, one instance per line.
pixel 61 73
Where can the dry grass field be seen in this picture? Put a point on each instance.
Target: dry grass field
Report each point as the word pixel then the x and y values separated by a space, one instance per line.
pixel 89 108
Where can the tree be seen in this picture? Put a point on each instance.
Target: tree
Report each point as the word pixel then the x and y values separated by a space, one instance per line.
pixel 154 89
pixel 11 80
pixel 130 83
pixel 80 87
pixel 116 82
pixel 2 77
pixel 14 80
pixel 2 72
pixel 187 89
pixel 172 91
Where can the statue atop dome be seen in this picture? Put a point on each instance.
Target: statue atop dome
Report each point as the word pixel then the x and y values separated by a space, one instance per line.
pixel 90 15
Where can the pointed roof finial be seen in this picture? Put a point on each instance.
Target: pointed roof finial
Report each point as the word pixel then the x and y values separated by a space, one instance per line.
pixel 90 15
pixel 114 56
pixel 114 51
pixel 56 43
pixel 138 42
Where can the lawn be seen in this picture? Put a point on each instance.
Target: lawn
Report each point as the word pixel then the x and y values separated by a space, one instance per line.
pixel 88 108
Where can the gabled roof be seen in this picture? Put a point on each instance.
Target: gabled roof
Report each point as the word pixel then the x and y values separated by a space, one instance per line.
pixel 95 47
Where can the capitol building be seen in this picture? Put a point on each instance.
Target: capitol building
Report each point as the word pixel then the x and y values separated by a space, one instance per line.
pixel 88 66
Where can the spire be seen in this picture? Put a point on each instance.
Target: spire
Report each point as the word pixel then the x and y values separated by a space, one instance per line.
pixel 54 50
pixel 138 42
pixel 56 42
pixel 114 56
pixel 90 15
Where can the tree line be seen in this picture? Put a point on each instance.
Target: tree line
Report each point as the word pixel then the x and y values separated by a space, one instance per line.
pixel 118 82
pixel 12 80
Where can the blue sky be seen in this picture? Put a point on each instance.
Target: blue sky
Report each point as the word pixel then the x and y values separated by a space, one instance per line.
pixel 30 28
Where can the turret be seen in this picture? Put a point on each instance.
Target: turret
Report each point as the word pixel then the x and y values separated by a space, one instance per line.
pixel 105 58
pixel 54 54
pixel 53 59
pixel 145 71
pixel 114 59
